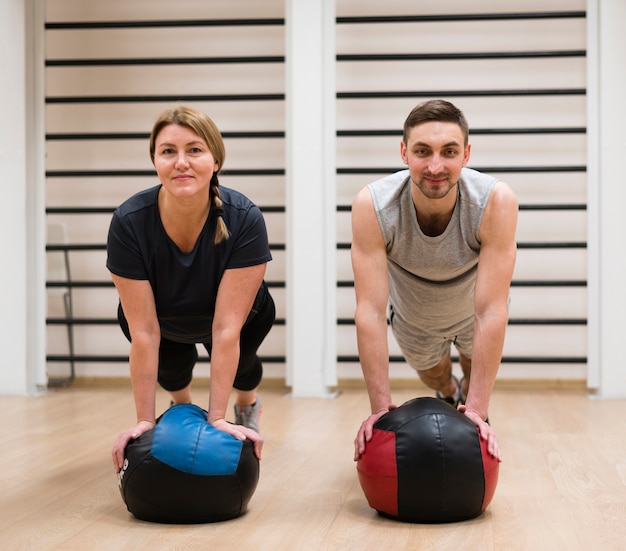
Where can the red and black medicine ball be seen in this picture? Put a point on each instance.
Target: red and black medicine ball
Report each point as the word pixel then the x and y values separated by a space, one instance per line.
pixel 187 471
pixel 426 463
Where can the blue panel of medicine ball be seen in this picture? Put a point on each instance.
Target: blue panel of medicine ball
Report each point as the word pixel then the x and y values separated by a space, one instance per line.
pixel 183 439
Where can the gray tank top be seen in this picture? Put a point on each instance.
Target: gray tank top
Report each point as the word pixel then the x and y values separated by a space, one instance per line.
pixel 431 279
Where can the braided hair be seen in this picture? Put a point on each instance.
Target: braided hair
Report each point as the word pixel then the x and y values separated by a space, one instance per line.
pixel 221 231
pixel 202 125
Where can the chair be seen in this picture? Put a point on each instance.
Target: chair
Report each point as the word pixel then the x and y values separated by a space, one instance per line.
pixel 58 272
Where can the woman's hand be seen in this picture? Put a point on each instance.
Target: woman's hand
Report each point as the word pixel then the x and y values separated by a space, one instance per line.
pixel 124 438
pixel 241 433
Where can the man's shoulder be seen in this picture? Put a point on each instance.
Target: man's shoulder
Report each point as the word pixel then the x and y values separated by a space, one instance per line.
pixel 387 190
pixel 476 187
pixel 470 176
pixel 391 180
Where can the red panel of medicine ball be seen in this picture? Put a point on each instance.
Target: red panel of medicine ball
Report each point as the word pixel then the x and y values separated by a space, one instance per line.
pixel 426 463
pixel 491 467
pixel 378 474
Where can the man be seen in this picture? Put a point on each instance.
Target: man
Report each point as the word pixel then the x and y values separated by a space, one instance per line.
pixel 436 242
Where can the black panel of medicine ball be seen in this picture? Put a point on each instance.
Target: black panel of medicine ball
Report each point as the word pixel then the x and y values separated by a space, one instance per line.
pixel 157 492
pixel 439 462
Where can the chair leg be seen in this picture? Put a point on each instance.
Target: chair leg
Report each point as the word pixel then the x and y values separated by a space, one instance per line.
pixel 66 381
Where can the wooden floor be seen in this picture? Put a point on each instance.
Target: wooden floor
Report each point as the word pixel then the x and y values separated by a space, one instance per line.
pixel 562 484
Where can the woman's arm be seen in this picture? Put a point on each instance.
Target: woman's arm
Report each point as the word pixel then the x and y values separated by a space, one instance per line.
pixel 139 308
pixel 235 296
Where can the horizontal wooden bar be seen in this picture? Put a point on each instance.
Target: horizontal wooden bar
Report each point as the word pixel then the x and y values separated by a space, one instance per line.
pixel 505 359
pixel 549 206
pixel 503 169
pixel 107 62
pixel 68 136
pixel 340 321
pixel 523 245
pixel 340 246
pixel 340 284
pixel 102 247
pixel 473 131
pixel 341 359
pixel 280 208
pixel 113 359
pixel 107 321
pixel 461 55
pixel 526 207
pixel 109 210
pixel 165 98
pixel 144 173
pixel 513 321
pixel 514 283
pixel 99 284
pixel 571 14
pixel 79 25
pixel 82 136
pixel 501 92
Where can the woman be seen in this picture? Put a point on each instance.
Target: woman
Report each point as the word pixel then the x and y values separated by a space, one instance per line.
pixel 188 260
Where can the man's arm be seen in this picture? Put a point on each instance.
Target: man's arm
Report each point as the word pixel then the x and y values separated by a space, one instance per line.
pixel 371 285
pixel 496 262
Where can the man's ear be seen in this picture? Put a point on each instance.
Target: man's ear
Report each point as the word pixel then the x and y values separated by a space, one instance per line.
pixel 403 152
pixel 467 154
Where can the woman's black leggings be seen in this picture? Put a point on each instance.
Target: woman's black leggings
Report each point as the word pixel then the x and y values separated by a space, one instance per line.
pixel 177 360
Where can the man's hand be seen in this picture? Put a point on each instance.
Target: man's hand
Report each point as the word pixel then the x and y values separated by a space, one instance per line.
pixel 485 430
pixel 366 430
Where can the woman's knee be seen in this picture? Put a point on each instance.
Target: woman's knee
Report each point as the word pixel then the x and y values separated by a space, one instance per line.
pixel 249 374
pixel 176 363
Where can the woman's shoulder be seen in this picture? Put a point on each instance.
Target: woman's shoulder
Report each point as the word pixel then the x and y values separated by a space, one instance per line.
pixel 235 199
pixel 139 202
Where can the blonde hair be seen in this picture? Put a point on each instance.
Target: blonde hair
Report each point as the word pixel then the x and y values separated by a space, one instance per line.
pixel 202 125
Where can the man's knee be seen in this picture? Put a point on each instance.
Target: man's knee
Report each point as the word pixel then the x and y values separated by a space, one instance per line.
pixel 443 369
pixel 466 364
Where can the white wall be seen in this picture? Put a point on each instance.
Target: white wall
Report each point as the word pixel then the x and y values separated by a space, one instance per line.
pixel 607 197
pixel 311 197
pixel 88 167
pixel 22 367
pixel 22 297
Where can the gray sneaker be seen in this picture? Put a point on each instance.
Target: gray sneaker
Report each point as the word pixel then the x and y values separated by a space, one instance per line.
pixel 248 416
pixel 455 400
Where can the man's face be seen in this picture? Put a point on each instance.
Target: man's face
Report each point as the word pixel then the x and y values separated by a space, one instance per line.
pixel 435 153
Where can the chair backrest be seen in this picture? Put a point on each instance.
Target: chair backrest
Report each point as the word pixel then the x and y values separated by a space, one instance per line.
pixel 60 302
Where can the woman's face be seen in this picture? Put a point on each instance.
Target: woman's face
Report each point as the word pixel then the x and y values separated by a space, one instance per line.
pixel 183 161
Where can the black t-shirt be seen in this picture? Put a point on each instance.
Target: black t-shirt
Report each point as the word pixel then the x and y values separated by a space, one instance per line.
pixel 185 284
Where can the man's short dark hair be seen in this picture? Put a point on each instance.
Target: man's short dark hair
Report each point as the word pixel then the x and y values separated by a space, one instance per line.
pixel 435 110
